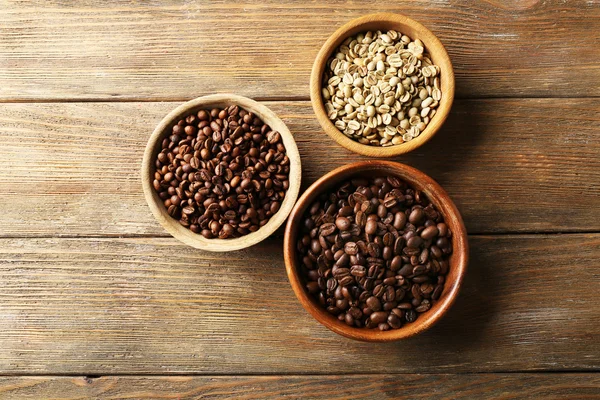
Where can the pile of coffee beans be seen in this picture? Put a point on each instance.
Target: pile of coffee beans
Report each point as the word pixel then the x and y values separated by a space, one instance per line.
pixel 374 252
pixel 222 173
pixel 381 88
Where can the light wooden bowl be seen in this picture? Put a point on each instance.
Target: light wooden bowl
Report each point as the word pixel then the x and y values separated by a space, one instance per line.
pixel 407 26
pixel 154 146
pixel 437 195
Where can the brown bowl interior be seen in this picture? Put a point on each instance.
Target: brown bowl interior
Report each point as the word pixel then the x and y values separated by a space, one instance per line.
pixel 154 146
pixel 420 181
pixel 407 26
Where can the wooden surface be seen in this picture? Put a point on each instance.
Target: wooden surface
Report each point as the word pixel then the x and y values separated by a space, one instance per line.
pixel 175 50
pixel 96 301
pixel 150 305
pixel 510 165
pixel 326 387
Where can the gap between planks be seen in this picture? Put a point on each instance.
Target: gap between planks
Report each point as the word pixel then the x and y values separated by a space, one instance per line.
pixel 258 98
pixel 294 374
pixel 506 234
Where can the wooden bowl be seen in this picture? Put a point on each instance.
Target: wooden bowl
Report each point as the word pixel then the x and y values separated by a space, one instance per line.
pixel 154 146
pixel 418 180
pixel 407 26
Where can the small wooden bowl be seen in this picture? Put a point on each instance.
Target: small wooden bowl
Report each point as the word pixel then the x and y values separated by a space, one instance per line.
pixel 418 180
pixel 407 26
pixel 154 146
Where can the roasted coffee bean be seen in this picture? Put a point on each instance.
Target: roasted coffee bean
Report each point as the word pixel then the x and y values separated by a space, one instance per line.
pixel 394 321
pixel 358 271
pixel 378 317
pixel 437 292
pixel 327 229
pixel 377 250
pixel 373 303
pixel 351 248
pixel 342 223
pixel 371 227
pixel 212 164
pixel 430 232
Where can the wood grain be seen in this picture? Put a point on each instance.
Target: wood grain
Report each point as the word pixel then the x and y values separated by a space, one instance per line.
pixel 510 165
pixel 152 306
pixel 180 50
pixel 329 387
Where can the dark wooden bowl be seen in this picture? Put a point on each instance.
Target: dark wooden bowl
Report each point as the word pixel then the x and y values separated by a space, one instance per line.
pixel 384 21
pixel 437 195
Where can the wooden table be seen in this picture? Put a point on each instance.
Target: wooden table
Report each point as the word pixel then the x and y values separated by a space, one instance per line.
pixel 96 300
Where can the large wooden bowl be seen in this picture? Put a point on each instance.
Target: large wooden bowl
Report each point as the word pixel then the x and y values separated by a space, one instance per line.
pixel 418 180
pixel 407 26
pixel 154 146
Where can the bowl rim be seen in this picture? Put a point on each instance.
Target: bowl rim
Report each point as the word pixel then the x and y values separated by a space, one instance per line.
pixel 196 240
pixel 442 201
pixel 435 48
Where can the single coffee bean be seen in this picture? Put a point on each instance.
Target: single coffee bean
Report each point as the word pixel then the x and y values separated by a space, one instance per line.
pixel 373 303
pixel 351 248
pixel 378 317
pixel 429 232
pixel 342 223
pixel 371 227
pixel 416 216
pixel 394 321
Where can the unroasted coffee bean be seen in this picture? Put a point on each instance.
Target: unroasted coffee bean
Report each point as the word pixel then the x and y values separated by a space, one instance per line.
pixel 222 173
pixel 374 252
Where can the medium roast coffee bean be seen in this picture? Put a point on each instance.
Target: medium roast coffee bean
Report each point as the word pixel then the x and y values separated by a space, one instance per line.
pixel 374 252
pixel 222 173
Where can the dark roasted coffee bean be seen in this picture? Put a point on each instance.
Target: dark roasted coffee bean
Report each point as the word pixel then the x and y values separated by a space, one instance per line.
pixel 378 317
pixel 373 303
pixel 342 223
pixel 346 280
pixel 437 292
pixel 429 232
pixel 394 321
pixel 358 271
pixel 442 229
pixel 387 253
pixel 389 294
pixel 406 270
pixel 327 229
pixel 351 248
pixel 383 326
pixel 371 227
pixel 414 242
pixel 416 216
pixel 378 290
pixel 424 306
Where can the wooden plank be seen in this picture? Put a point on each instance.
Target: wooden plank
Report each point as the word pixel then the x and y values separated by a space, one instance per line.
pixel 513 165
pixel 330 387
pixel 152 306
pixel 180 50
